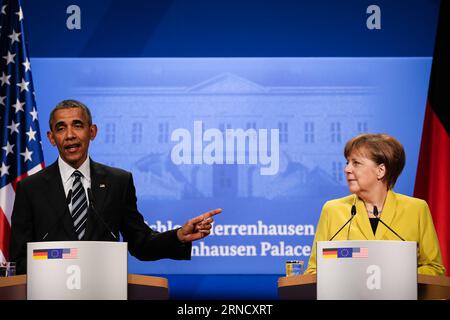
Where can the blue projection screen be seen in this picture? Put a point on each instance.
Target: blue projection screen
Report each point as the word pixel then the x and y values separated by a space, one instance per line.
pixel 261 138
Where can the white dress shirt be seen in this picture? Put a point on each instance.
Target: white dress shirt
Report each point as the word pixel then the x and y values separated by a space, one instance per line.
pixel 66 172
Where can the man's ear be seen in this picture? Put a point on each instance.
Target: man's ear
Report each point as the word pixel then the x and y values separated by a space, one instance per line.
pixel 50 138
pixel 93 131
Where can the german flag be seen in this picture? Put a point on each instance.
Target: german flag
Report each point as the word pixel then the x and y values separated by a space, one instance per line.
pixel 331 253
pixel 433 172
pixel 41 254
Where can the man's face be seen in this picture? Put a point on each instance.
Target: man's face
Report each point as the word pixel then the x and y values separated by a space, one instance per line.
pixel 71 133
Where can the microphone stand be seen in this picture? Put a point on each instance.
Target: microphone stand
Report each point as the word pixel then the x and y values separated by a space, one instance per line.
pixel 353 212
pixel 68 199
pixel 375 213
pixel 91 205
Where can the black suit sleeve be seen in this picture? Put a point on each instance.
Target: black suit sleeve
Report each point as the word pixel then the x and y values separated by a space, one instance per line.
pixel 143 242
pixel 21 229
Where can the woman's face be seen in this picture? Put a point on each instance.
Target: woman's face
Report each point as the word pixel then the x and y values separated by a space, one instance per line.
pixel 362 173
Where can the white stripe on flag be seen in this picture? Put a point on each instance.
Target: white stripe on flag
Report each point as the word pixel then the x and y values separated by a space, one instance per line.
pixel 7 196
pixel 34 170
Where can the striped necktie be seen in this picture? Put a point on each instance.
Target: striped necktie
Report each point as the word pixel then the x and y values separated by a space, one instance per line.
pixel 79 205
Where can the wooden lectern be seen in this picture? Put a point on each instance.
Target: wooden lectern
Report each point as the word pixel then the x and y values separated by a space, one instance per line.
pixel 139 288
pixel 304 287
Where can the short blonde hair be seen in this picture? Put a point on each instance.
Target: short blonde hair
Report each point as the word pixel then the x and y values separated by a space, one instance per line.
pixel 382 149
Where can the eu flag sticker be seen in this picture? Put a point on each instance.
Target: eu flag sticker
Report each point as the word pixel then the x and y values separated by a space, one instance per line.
pixel 55 253
pixel 344 252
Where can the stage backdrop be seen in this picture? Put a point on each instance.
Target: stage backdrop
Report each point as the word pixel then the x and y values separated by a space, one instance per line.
pixel 246 107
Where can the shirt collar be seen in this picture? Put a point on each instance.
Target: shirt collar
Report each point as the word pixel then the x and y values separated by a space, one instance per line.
pixel 67 170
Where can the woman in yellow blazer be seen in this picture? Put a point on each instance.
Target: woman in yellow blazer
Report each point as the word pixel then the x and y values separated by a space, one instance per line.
pixel 374 162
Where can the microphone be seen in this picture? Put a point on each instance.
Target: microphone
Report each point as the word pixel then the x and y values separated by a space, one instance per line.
pixel 68 199
pixel 375 213
pixel 91 205
pixel 353 213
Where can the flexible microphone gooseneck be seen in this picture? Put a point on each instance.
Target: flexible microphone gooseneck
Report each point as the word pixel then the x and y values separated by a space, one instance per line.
pixel 353 212
pixel 375 213
pixel 68 199
pixel 91 205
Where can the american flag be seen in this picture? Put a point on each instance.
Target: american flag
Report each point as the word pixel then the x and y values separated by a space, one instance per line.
pixel 70 253
pixel 360 252
pixel 21 153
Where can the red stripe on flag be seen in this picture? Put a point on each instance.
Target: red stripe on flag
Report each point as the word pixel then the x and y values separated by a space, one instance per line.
pixel 5 231
pixel 433 178
pixel 36 254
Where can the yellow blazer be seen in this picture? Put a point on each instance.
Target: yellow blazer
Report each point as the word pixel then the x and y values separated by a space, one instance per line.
pixel 409 217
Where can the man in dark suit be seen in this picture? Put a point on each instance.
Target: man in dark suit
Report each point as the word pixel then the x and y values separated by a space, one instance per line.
pixel 76 198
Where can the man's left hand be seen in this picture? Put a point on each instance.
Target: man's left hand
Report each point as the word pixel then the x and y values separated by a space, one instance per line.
pixel 198 227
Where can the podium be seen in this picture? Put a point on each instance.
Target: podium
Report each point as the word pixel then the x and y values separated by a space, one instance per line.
pixel 77 270
pixel 365 270
pixel 139 288
pixel 304 287
pixel 86 270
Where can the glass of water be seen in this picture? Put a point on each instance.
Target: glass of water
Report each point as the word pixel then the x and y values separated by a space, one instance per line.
pixel 294 268
pixel 7 269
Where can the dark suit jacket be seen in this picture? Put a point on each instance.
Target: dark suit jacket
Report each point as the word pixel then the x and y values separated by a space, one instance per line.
pixel 40 207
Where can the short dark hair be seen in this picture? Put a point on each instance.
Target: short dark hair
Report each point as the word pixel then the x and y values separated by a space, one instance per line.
pixel 382 149
pixel 69 104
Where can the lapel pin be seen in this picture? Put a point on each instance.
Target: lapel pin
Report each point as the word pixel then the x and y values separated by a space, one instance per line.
pixel 102 185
